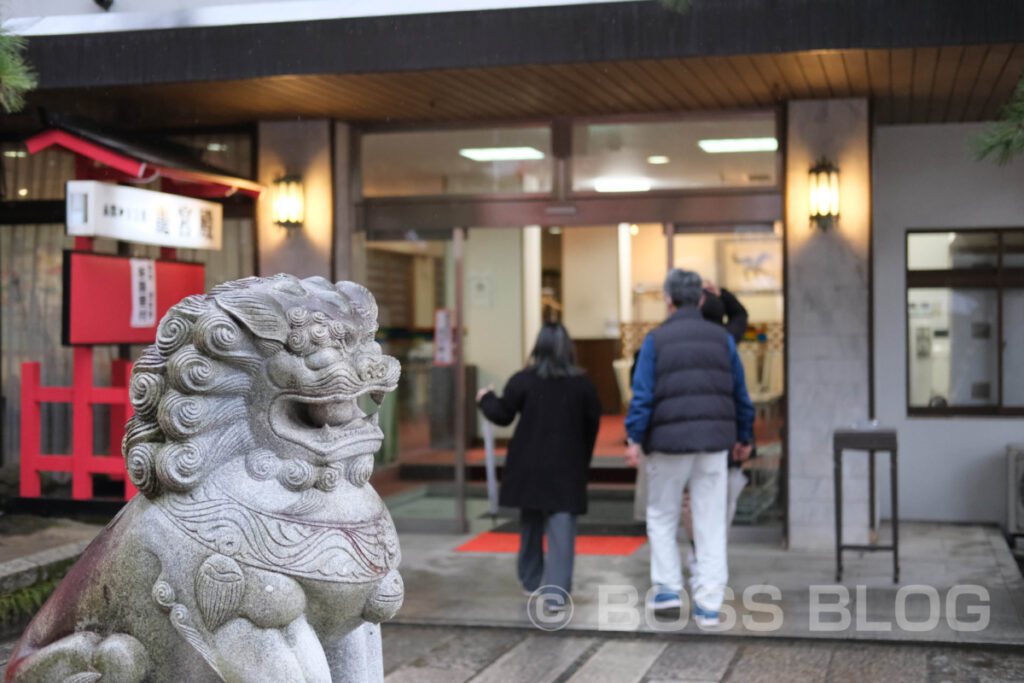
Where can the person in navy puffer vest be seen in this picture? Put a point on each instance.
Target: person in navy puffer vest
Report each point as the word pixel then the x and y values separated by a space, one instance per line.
pixel 690 409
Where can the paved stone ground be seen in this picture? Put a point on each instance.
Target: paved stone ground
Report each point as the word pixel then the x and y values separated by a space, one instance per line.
pixel 425 654
pixel 434 654
pixel 22 535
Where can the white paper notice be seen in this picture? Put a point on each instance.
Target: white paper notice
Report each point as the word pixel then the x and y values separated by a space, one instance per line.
pixel 143 292
pixel 444 346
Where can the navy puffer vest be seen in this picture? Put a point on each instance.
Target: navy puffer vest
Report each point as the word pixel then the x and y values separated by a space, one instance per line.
pixel 693 410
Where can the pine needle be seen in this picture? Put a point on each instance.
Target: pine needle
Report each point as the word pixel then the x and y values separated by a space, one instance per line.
pixel 1005 138
pixel 16 76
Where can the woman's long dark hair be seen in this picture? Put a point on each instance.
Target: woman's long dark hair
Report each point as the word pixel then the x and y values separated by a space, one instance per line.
pixel 553 354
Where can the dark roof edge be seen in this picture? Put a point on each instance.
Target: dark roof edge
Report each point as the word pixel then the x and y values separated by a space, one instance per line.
pixel 537 35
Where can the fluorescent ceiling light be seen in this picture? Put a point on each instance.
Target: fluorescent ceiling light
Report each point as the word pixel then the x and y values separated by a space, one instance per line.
pixel 739 145
pixel 502 153
pixel 622 184
pixel 657 159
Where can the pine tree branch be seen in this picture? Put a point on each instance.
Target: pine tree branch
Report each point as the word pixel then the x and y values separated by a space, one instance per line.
pixel 16 76
pixel 1004 139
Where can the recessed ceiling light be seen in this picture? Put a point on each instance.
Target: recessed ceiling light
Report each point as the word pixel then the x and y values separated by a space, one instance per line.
pixel 729 145
pixel 502 153
pixel 14 154
pixel 657 159
pixel 555 230
pixel 622 184
pixel 216 147
pixel 23 192
pixel 634 230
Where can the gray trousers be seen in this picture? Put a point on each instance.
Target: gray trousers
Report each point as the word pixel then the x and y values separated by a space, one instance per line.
pixel 534 571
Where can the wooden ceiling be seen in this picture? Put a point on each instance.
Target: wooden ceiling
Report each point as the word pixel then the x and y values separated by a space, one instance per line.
pixel 907 85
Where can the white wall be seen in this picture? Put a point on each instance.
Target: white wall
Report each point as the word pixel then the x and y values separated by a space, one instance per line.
pixel 925 177
pixel 533 313
pixel 590 282
pixel 300 148
pixel 494 319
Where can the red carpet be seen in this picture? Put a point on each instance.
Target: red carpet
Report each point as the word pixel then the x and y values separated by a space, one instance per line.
pixel 503 542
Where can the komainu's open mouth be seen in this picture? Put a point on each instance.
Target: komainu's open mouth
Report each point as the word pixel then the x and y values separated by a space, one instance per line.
pixel 331 426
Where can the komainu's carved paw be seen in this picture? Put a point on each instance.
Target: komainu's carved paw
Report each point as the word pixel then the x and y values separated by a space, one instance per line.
pixel 386 600
pixel 85 657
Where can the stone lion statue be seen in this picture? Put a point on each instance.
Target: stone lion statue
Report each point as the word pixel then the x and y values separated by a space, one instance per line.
pixel 256 551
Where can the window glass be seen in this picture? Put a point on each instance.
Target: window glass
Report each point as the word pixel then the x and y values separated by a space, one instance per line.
pixel 1013 250
pixel 1013 347
pixel 951 250
pixel 457 162
pixel 953 347
pixel 674 155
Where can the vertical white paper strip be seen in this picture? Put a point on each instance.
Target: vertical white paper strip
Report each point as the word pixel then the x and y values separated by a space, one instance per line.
pixel 143 292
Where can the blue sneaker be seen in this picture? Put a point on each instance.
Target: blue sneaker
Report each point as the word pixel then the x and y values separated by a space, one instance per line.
pixel 705 617
pixel 664 599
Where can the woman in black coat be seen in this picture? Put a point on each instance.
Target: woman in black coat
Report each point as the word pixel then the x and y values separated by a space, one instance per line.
pixel 545 473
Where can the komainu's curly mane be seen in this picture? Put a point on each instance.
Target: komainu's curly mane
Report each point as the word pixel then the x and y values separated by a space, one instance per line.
pixel 190 389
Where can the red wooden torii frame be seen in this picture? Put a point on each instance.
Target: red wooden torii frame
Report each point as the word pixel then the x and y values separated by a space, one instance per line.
pixel 82 462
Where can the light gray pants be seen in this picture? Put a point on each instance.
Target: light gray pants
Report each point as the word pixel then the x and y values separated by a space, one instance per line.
pixel 534 571
pixel 667 476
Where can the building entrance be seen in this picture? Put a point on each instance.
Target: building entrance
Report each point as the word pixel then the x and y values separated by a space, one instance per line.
pixel 603 283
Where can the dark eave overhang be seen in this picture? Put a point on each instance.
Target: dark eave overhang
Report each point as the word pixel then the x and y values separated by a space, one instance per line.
pixel 534 36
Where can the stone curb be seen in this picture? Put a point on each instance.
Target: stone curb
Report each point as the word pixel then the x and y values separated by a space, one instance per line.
pixel 29 570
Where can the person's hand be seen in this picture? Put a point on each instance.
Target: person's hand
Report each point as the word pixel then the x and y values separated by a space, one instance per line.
pixel 711 287
pixel 633 454
pixel 483 392
pixel 741 452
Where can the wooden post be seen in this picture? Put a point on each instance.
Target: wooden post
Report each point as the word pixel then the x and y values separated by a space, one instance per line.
pixel 30 420
pixel 81 424
pixel 458 236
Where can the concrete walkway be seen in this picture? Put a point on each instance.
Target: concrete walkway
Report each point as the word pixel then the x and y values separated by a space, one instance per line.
pixel 959 584
pixel 448 588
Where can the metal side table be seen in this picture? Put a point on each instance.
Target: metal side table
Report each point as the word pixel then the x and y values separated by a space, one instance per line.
pixel 870 440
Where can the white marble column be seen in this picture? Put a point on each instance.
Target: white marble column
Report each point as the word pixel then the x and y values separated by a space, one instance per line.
pixel 827 290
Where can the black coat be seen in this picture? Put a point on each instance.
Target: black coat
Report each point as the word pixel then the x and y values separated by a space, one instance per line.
pixel 550 452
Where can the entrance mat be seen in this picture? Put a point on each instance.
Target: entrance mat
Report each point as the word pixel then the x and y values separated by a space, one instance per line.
pixel 622 529
pixel 501 542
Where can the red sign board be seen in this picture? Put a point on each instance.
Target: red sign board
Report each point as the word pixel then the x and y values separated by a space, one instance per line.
pixel 120 300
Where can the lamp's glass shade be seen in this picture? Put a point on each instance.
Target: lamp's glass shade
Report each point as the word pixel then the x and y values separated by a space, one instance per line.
pixel 823 182
pixel 833 192
pixel 288 201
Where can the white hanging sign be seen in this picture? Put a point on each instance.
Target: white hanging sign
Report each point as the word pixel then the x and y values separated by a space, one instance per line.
pixel 143 292
pixel 96 209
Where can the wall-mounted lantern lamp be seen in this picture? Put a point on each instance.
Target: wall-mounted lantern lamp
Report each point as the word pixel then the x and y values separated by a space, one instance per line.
pixel 289 201
pixel 824 184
